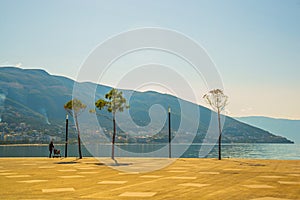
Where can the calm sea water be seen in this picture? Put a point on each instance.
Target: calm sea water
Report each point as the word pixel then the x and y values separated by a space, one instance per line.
pixel 258 151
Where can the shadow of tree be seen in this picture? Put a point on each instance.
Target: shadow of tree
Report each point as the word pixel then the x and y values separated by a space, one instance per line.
pixel 66 162
pixel 118 164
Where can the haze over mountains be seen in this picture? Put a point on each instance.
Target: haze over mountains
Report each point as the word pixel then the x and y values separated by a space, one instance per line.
pixel 36 98
pixel 284 127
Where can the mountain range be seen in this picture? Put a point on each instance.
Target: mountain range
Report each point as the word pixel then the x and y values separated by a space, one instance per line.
pixel 284 127
pixel 31 100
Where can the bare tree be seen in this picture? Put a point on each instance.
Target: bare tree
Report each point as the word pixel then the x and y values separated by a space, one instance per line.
pixel 218 101
pixel 74 107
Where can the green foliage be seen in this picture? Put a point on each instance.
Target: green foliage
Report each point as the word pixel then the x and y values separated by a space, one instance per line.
pixel 28 91
pixel 113 102
pixel 74 106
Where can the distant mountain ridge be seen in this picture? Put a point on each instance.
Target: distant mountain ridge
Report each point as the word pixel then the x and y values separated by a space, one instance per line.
pixel 284 127
pixel 37 98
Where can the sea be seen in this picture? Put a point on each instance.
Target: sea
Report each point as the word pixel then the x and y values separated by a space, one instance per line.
pixel 251 151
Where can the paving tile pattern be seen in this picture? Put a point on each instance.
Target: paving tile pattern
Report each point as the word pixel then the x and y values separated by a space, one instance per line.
pixel 71 178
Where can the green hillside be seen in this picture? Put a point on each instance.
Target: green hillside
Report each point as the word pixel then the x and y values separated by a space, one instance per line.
pixel 35 98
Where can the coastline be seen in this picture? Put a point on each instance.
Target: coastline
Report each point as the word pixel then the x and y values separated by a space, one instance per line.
pixel 249 151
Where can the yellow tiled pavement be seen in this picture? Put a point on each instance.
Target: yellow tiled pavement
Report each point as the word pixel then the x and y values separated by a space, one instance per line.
pixel 186 178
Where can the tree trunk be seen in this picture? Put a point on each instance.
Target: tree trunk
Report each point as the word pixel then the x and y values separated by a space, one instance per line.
pixel 220 134
pixel 113 139
pixel 78 137
pixel 67 129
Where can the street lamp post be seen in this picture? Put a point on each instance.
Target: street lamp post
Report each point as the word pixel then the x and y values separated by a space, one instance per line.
pixel 66 145
pixel 169 116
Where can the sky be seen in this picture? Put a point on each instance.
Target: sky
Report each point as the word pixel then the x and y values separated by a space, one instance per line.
pixel 255 45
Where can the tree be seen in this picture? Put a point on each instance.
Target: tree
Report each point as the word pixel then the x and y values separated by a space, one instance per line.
pixel 114 102
pixel 218 101
pixel 74 107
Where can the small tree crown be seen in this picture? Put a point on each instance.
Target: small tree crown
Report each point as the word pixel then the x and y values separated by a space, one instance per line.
pixel 74 106
pixel 113 102
pixel 216 99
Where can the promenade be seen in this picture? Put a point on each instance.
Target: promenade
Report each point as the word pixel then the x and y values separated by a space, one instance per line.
pixel 186 178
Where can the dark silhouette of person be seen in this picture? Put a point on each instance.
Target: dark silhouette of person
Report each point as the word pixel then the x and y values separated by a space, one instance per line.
pixel 51 147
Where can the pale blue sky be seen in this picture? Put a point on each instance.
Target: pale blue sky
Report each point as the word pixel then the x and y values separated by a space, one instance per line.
pixel 254 44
